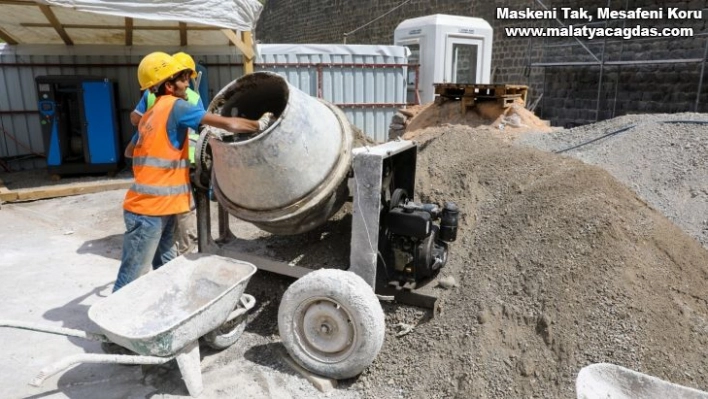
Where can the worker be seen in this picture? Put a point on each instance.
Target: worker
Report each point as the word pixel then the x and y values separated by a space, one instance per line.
pixel 186 226
pixel 160 164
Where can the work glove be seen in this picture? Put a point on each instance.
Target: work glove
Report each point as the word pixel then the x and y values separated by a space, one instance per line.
pixel 265 121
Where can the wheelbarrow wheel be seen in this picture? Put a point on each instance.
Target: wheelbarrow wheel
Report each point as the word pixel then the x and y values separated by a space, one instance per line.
pixel 331 323
pixel 229 332
pixel 226 335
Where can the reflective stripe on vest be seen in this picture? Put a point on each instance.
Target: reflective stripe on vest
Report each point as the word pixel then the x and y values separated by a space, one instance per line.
pixel 161 171
pixel 159 190
pixel 160 163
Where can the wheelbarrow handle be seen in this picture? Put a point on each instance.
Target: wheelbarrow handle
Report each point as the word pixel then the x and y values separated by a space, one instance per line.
pixel 246 303
pixel 69 332
pixel 73 360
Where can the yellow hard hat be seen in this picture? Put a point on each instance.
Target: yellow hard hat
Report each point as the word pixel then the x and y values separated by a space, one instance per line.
pixel 157 67
pixel 187 61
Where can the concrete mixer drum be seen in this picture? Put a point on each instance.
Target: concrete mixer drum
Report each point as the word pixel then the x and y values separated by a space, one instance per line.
pixel 289 178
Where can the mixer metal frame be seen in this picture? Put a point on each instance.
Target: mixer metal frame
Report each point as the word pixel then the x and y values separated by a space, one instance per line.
pixel 376 172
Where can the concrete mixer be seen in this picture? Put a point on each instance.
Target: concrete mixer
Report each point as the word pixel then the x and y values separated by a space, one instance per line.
pixel 290 179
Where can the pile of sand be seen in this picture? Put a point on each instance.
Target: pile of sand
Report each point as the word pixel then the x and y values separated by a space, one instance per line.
pixel 558 266
pixel 512 120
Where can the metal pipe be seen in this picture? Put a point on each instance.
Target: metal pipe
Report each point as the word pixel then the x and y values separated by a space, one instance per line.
pixel 417 79
pixel 67 332
pixel 700 79
pixel 619 68
pixel 634 39
pixel 204 238
pixel 543 101
pixel 70 361
pixel 576 39
pixel 60 65
pixel 624 129
pixel 225 233
pixel 320 78
pixel 323 64
pixel 617 63
pixel 694 122
pixel 648 62
pixel 602 70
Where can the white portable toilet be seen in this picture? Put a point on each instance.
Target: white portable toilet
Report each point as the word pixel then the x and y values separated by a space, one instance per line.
pixel 449 49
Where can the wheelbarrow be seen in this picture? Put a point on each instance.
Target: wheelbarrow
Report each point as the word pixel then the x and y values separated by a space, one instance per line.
pixel 606 380
pixel 162 315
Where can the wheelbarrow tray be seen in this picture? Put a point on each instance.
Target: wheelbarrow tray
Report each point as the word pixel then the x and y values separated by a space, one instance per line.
pixel 163 311
pixel 606 380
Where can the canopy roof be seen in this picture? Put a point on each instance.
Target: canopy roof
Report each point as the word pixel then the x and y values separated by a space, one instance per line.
pixel 129 23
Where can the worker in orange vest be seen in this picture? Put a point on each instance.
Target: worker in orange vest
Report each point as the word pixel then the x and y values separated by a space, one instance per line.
pixel 161 165
pixel 186 226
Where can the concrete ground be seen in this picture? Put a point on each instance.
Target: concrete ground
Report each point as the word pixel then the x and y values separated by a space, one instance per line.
pixel 57 258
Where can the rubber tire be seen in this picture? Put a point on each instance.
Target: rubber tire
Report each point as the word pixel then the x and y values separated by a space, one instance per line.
pixel 356 299
pixel 398 197
pixel 227 335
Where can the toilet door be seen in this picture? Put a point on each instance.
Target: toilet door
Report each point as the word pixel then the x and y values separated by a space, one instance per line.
pixel 413 77
pixel 463 59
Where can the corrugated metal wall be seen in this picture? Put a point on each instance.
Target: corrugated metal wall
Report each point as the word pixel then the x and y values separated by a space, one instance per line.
pixel 21 135
pixel 367 90
pixel 368 83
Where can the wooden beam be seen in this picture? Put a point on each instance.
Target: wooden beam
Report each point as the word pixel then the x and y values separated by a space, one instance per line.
pixel 47 11
pixel 3 189
pixel 18 3
pixel 323 384
pixel 30 194
pixel 128 31
pixel 7 38
pixel 236 40
pixel 248 62
pixel 116 27
pixel 182 34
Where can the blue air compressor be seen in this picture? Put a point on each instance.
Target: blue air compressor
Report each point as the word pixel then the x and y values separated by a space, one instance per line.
pixel 79 121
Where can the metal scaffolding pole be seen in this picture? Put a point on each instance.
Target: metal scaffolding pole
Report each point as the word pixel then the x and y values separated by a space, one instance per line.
pixel 602 69
pixel 619 68
pixel 700 77
pixel 602 63
pixel 576 39
pixel 617 63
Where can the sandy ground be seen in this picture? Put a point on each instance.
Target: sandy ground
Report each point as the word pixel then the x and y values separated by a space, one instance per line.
pixel 60 256
pixel 559 264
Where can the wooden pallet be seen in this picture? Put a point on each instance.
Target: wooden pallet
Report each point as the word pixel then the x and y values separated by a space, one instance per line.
pixel 470 94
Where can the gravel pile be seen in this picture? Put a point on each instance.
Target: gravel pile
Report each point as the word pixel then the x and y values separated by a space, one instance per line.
pixel 662 157
pixel 558 266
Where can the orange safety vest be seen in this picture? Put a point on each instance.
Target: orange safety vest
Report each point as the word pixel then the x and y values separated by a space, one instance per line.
pixel 161 171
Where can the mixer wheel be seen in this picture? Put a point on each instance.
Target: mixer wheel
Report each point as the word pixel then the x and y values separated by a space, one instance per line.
pixel 331 323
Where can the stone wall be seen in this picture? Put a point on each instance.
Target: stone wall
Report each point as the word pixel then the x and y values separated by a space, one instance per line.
pixel 571 94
